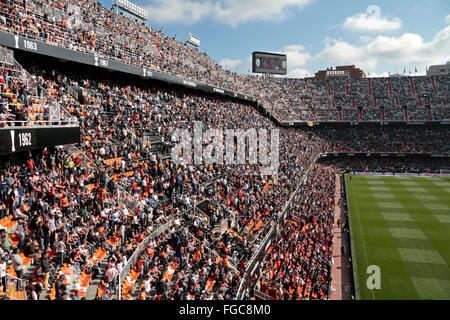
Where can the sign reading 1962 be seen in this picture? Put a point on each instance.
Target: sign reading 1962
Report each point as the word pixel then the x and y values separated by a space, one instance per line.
pixel 24 140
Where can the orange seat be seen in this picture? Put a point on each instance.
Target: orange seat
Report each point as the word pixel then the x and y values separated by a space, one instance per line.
pixel 52 295
pixel 26 261
pixel 14 240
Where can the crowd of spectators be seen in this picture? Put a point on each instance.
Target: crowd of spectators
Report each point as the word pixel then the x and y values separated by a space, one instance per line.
pixel 59 219
pixel 160 184
pixel 425 139
pixel 64 210
pixel 72 194
pixel 89 27
pixel 298 262
pixel 23 101
pixel 374 99
pixel 360 163
pixel 19 104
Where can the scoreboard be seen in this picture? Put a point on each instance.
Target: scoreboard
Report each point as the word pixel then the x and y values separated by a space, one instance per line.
pixel 266 62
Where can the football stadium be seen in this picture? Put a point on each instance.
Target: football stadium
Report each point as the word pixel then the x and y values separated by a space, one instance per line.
pixel 134 166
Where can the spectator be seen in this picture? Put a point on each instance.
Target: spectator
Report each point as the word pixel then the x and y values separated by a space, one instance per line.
pixel 3 268
pixel 17 262
pixel 111 275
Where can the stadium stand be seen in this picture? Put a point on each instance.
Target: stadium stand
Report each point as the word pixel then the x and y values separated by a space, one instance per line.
pixel 88 27
pixel 360 100
pixel 23 100
pixel 114 217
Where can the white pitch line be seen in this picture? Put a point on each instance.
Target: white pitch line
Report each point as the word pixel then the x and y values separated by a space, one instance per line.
pixel 364 242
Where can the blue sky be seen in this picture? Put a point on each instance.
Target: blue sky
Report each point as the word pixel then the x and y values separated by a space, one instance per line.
pixel 377 36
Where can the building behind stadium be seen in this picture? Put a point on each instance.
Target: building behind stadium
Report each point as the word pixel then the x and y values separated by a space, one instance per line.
pixel 349 72
pixel 439 70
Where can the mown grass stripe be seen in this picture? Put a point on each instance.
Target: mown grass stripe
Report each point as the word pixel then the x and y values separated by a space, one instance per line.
pixel 436 232
pixel 364 212
pixel 403 232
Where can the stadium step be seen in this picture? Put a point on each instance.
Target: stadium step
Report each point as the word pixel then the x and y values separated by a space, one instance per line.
pixel 433 84
pixel 303 103
pixel 413 89
pixel 307 87
pixel 35 100
pixel 91 291
pixel 292 87
pixel 280 95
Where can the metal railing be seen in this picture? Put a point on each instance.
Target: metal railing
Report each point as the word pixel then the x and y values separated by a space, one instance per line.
pixel 57 115
pixel 261 295
pixel 15 288
pixel 36 123
pixel 71 90
pixel 136 254
pixel 122 195
pixel 231 265
pixel 142 246
pixel 264 246
pixel 291 121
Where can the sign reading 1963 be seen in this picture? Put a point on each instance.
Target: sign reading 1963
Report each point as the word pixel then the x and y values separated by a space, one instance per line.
pixel 27 44
pixel 30 45
pixel 21 139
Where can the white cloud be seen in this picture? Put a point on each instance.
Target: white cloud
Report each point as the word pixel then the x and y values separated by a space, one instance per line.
pixel 298 73
pixel 447 19
pixel 365 39
pixel 230 12
pixel 411 48
pixel 296 55
pixel 371 21
pixel 229 63
pixel 242 66
pixel 408 49
pixel 234 12
pixel 179 11
pixel 341 52
pixel 378 75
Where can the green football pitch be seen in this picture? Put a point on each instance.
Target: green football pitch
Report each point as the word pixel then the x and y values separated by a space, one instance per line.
pixel 402 225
